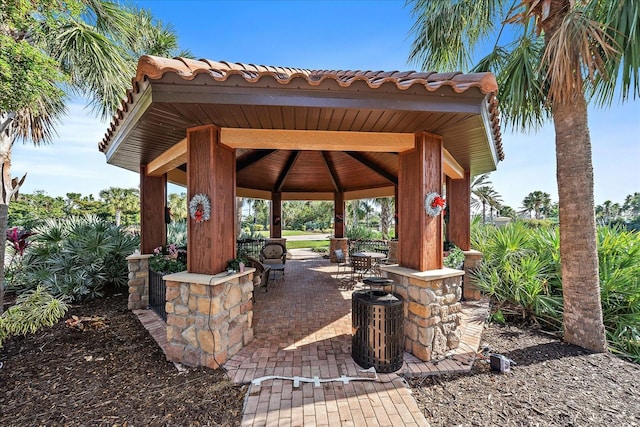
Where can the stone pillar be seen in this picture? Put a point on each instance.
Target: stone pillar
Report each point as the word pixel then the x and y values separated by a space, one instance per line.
pixel 209 318
pixel 393 252
pixel 338 243
pixel 472 260
pixel 432 310
pixel 138 281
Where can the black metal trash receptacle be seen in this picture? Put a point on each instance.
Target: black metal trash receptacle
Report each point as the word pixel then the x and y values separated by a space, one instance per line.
pixel 378 333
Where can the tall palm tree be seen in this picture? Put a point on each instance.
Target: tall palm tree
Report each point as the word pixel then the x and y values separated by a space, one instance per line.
pixel 386 205
pixel 121 200
pixel 178 206
pixel 537 202
pixel 88 47
pixel 550 57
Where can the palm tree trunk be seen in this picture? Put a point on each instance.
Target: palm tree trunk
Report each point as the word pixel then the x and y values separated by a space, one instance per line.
pixel 583 324
pixel 4 209
pixel 6 191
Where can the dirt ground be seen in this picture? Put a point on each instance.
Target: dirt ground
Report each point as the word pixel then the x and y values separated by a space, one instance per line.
pixel 114 374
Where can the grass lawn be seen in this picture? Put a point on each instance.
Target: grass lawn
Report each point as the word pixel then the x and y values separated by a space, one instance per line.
pixel 297 244
pixel 285 233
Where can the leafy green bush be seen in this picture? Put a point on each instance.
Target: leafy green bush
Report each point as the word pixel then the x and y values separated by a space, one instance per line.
pixel 177 233
pixel 77 256
pixel 33 310
pixel 521 272
pixel 619 262
pixel 517 272
pixel 359 232
pixel 455 259
pixel 168 260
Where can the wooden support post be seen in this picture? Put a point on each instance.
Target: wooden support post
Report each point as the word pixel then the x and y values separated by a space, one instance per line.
pixel 153 198
pixel 420 172
pixel 458 202
pixel 276 216
pixel 396 217
pixel 338 217
pixel 211 170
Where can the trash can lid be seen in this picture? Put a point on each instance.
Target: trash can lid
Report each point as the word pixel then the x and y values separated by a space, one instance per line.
pixel 377 281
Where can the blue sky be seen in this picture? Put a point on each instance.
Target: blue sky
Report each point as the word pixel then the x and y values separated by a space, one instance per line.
pixel 357 35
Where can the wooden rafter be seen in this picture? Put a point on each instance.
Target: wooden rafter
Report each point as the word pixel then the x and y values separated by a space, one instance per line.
pixel 251 158
pixel 335 181
pixel 374 167
pixel 285 171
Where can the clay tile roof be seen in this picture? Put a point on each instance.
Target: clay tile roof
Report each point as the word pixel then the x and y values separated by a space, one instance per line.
pixel 153 68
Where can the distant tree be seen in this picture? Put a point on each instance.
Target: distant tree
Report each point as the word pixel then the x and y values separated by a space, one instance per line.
pixel 631 206
pixel 538 203
pixel 178 206
pixel 387 209
pixel 122 200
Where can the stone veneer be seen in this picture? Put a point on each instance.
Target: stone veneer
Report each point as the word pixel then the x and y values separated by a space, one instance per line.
pixel 472 260
pixel 432 309
pixel 336 243
pixel 209 318
pixel 138 281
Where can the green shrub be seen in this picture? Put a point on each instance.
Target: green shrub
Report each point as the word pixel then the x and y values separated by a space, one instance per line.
pixel 455 259
pixel 33 310
pixel 177 233
pixel 76 257
pixel 359 232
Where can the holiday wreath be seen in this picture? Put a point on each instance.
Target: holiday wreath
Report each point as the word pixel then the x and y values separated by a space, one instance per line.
pixel 434 204
pixel 200 207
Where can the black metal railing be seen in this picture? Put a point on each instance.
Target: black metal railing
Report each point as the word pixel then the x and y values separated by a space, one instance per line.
pixel 157 294
pixel 369 245
pixel 250 247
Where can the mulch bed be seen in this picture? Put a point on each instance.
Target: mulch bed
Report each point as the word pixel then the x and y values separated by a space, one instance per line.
pixel 553 384
pixel 110 372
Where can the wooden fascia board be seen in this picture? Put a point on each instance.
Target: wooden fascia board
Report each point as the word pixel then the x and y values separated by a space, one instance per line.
pixel 130 120
pixel 450 166
pixel 318 140
pixel 488 126
pixel 370 193
pixel 349 195
pixel 253 193
pixel 443 100
pixel 169 160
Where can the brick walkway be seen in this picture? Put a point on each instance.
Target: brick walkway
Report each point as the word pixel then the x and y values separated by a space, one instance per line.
pixel 302 328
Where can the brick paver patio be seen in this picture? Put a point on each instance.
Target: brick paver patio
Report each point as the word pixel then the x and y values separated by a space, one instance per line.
pixel 302 330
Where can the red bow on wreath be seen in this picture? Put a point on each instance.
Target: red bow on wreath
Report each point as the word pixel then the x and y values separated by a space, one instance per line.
pixel 198 215
pixel 438 201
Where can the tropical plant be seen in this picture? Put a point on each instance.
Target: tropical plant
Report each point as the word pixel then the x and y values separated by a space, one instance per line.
pixel 33 310
pixel 537 202
pixel 122 201
pixel 550 57
pixel 77 257
pixel 455 258
pixel 619 255
pixel 387 207
pixel 178 207
pixel 88 46
pixel 520 273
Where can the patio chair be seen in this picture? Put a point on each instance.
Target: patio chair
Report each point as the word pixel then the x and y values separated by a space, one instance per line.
pixel 342 261
pixel 360 265
pixel 261 276
pixel 273 253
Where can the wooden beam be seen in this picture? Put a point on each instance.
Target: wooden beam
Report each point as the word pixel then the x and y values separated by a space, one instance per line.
pixel 374 167
pixel 451 167
pixel 177 177
pixel 170 159
pixel 285 171
pixel 332 172
pixel 251 158
pixel 285 139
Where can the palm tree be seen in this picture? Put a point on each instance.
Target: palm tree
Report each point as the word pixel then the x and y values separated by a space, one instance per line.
pixel 386 205
pixel 89 47
pixel 537 202
pixel 121 200
pixel 550 57
pixel 178 206
pixel 631 205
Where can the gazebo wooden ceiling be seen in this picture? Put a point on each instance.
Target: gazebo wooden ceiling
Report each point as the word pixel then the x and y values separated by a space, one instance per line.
pixel 303 133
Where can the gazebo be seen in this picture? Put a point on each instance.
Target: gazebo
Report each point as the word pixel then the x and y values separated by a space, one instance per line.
pixel 229 129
